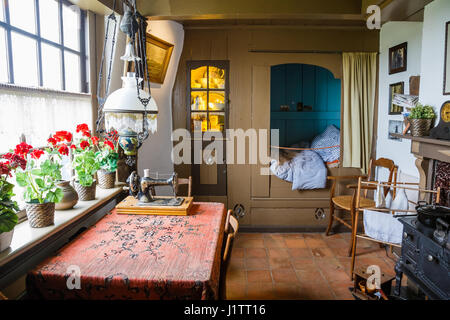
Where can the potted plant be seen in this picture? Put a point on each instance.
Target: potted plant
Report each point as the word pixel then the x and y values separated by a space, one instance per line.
pixel 107 158
pixel 8 207
pixel 421 120
pixel 58 146
pixel 84 163
pixel 39 179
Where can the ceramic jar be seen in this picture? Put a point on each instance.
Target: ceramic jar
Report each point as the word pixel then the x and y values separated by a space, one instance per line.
pixel 5 239
pixel 70 196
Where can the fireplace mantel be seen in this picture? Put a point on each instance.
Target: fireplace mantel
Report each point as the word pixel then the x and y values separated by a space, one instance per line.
pixel 427 150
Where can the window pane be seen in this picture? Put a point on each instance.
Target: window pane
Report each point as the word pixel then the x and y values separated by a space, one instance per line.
pixel 21 14
pixel 217 121
pixel 3 61
pixel 24 60
pixel 198 78
pixel 49 18
pixel 2 15
pixel 198 100
pixel 72 70
pixel 216 78
pixel 216 100
pixel 199 122
pixel 51 66
pixel 71 19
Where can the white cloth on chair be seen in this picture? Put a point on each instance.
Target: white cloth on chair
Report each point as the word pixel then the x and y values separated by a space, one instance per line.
pixel 382 226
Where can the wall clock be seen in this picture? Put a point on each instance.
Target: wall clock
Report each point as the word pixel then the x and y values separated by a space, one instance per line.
pixel 442 130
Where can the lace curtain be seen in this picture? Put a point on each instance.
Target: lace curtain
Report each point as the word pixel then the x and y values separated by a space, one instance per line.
pixel 37 114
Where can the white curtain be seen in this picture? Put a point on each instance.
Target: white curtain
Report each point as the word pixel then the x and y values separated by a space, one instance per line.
pixel 359 85
pixel 37 114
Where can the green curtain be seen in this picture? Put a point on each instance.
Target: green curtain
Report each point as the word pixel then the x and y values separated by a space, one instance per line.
pixel 359 85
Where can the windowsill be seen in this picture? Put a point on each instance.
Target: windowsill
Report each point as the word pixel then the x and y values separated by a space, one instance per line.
pixel 25 237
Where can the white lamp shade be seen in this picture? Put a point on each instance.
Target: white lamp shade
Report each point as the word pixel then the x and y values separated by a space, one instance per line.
pixel 124 111
pixel 126 100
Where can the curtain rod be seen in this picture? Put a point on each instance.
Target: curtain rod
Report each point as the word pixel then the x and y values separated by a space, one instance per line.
pixel 307 51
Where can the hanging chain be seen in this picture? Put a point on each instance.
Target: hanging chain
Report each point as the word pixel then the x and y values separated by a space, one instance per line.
pixel 100 123
pixel 142 67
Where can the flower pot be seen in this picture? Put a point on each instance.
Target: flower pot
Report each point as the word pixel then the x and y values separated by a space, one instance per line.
pixel 40 214
pixel 85 193
pixel 70 196
pixel 106 179
pixel 420 127
pixel 5 240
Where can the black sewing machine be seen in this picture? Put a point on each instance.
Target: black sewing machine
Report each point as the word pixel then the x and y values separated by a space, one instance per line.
pixel 143 189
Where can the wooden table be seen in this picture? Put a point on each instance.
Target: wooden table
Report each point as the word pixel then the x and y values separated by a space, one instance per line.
pixel 139 257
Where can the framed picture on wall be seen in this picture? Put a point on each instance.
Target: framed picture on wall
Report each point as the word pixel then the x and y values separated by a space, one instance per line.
pixel 398 58
pixel 395 127
pixel 447 60
pixel 394 88
pixel 158 57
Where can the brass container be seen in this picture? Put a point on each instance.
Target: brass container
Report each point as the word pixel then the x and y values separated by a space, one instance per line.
pixel 85 193
pixel 106 179
pixel 420 127
pixel 40 214
pixel 70 196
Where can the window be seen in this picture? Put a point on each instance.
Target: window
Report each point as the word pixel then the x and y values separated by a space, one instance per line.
pixel 42 44
pixel 208 95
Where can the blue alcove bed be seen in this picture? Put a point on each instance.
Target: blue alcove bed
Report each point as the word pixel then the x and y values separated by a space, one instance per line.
pixel 305 106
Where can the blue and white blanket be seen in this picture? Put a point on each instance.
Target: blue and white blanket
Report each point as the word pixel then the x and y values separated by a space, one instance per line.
pixel 305 171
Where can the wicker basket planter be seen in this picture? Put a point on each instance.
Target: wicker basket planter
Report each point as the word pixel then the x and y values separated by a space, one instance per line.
pixel 106 179
pixel 85 193
pixel 5 239
pixel 40 214
pixel 420 127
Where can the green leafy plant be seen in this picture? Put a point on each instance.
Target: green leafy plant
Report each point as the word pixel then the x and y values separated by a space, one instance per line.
pixel 39 176
pixel 84 161
pixel 422 112
pixel 107 156
pixel 8 207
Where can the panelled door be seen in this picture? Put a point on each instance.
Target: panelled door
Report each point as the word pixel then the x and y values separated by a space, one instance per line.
pixel 208 105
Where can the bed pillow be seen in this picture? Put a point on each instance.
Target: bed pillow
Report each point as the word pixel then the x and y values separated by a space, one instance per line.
pixel 330 137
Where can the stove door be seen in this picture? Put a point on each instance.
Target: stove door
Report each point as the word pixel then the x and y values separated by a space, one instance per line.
pixel 434 267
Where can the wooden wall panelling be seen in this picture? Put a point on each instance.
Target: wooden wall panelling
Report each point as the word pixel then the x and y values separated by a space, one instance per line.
pixel 260 120
pixel 239 176
pixel 239 41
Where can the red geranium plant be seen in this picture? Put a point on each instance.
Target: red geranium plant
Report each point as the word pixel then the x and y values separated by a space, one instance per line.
pixel 107 156
pixel 37 173
pixel 84 162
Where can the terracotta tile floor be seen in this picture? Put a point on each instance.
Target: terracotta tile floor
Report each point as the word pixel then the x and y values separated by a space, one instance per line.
pixel 291 266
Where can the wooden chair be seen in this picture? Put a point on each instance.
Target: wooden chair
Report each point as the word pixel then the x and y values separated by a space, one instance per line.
pixel 367 185
pixel 231 228
pixel 187 181
pixel 347 202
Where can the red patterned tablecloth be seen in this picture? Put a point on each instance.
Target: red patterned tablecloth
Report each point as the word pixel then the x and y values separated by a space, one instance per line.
pixel 139 257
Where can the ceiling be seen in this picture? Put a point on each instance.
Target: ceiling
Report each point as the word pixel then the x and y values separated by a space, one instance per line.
pixel 204 13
